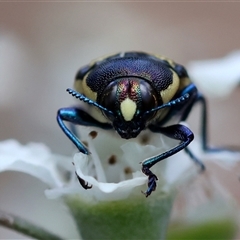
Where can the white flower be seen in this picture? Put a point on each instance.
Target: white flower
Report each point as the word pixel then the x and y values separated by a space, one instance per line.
pixel 113 168
pixel 216 77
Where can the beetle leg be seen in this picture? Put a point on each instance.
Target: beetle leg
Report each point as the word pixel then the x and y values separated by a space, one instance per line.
pixel 204 126
pixel 152 178
pixel 195 159
pixel 77 116
pixel 204 130
pixel 178 132
pixel 71 115
pixel 200 98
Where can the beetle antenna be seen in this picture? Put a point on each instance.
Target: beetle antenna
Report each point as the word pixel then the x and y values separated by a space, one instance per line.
pixel 174 102
pixel 83 98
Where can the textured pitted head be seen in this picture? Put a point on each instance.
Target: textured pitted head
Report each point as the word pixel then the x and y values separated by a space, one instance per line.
pixel 129 98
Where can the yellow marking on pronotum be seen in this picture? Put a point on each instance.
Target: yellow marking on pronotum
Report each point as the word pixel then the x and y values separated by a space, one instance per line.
pixel 167 94
pixel 128 108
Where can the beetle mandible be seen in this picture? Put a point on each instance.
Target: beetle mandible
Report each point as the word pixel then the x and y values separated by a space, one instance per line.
pixel 136 91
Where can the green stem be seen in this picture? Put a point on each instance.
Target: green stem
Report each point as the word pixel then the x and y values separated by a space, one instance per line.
pixel 20 225
pixel 129 219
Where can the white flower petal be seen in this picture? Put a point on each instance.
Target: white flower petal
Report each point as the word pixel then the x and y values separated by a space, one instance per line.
pixel 172 171
pixel 34 159
pixel 106 191
pixel 216 77
pixel 37 160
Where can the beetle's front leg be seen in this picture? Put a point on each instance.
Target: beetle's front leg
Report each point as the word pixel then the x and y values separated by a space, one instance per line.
pixel 72 115
pixel 77 116
pixel 178 132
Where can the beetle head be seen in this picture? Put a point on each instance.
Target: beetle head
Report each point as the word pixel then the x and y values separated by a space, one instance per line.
pixel 128 99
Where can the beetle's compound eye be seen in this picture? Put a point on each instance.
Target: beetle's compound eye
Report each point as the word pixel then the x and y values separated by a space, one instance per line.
pixel 149 98
pixel 108 98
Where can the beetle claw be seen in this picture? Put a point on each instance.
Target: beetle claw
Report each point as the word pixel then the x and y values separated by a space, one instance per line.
pixel 83 183
pixel 152 181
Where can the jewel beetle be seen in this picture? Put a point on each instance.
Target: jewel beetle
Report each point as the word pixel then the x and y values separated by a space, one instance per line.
pixel 132 91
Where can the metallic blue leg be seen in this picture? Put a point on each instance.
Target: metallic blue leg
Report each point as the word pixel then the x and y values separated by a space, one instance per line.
pixel 77 116
pixel 204 128
pixel 71 115
pixel 195 159
pixel 178 132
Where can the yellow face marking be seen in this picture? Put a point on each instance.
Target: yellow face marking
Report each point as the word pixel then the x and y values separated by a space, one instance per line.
pixel 168 93
pixel 128 108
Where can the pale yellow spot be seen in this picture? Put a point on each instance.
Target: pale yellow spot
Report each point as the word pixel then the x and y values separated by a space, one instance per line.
pixel 162 57
pixel 168 93
pixel 184 82
pixel 128 108
pixel 81 86
pixel 78 86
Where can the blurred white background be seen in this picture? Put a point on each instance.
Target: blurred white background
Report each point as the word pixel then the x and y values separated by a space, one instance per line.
pixel 43 44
